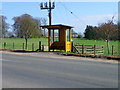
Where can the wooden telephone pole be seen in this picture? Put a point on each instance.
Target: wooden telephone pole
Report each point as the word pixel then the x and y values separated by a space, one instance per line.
pixel 49 8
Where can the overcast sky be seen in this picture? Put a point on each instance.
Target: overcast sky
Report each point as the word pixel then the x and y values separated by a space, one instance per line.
pixel 83 13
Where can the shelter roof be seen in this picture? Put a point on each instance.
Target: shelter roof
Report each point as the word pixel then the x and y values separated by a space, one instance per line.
pixel 56 26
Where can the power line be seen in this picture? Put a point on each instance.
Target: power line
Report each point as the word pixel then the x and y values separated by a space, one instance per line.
pixel 69 10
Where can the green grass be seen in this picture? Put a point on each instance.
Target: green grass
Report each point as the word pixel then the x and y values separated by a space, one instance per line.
pixel 19 42
pixel 100 42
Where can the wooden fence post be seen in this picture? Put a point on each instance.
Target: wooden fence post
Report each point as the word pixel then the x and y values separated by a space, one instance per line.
pixel 103 49
pixel 112 49
pixel 13 45
pixel 4 45
pixel 42 48
pixel 32 46
pixel 94 49
pixel 23 46
pixel 40 45
pixel 72 47
pixel 108 47
pixel 82 49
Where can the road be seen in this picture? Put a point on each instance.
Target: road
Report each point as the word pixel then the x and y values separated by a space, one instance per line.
pixel 21 71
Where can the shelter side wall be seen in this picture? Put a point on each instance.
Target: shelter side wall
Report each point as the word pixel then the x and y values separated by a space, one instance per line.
pixel 62 37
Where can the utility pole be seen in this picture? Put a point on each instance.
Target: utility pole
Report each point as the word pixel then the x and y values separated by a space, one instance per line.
pixel 49 7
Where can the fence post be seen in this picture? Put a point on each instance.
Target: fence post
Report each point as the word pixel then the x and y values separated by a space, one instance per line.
pixel 108 47
pixel 23 46
pixel 42 48
pixel 32 46
pixel 40 45
pixel 4 45
pixel 112 49
pixel 82 49
pixel 103 49
pixel 94 49
pixel 13 45
pixel 72 47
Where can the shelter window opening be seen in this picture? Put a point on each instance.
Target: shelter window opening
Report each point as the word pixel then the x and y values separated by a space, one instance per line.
pixel 68 35
pixel 51 35
pixel 56 35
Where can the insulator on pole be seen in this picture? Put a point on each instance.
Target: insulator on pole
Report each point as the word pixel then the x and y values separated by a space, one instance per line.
pixel 53 4
pixel 41 5
pixel 49 6
pixel 45 4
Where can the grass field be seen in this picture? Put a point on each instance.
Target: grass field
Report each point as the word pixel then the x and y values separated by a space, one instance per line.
pixel 100 42
pixel 18 42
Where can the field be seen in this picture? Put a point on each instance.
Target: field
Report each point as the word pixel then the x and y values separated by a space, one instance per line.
pixel 100 42
pixel 18 43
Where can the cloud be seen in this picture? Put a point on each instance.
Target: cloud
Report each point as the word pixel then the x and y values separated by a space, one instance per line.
pixel 95 19
pixel 81 22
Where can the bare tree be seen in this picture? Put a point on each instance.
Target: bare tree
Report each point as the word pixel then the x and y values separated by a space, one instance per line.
pixel 3 25
pixel 10 34
pixel 43 22
pixel 26 27
pixel 109 30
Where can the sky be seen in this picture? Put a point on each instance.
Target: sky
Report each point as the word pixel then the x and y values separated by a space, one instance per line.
pixel 83 13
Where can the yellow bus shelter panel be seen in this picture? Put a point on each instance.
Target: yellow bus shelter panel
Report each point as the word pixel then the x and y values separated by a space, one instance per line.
pixel 68 47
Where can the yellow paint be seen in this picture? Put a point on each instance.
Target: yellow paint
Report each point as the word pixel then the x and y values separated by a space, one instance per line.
pixel 68 47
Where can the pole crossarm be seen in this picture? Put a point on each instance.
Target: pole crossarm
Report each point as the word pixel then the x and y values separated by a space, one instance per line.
pixel 49 7
pixel 46 8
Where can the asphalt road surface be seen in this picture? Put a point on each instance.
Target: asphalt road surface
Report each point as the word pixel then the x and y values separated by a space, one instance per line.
pixel 21 71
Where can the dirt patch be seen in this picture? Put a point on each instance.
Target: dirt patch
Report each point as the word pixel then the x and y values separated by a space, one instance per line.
pixel 55 55
pixel 5 49
pixel 92 56
pixel 17 50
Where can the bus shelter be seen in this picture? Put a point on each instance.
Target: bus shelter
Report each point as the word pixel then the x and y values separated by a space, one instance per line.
pixel 59 37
